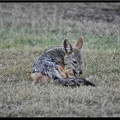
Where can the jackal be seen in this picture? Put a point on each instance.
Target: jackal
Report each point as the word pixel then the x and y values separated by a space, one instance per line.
pixel 51 63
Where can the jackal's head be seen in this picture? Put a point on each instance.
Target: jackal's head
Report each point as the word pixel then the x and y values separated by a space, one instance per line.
pixel 72 56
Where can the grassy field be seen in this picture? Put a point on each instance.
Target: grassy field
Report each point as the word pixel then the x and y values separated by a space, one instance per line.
pixel 29 28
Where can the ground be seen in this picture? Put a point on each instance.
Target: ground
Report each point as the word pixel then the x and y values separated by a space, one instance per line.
pixel 29 28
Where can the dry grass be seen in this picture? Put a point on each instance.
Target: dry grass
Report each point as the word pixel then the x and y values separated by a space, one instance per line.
pixel 21 97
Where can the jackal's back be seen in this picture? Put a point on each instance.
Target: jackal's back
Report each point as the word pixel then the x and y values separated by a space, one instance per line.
pixel 46 63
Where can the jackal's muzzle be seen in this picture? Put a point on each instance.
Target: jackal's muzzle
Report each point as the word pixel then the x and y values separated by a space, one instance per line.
pixel 76 73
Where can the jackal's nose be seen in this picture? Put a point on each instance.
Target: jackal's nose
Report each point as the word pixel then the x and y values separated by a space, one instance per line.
pixel 80 72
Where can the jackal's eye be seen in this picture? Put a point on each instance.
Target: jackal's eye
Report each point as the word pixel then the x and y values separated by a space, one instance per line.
pixel 74 61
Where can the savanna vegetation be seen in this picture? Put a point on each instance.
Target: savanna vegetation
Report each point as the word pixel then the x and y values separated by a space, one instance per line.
pixel 26 29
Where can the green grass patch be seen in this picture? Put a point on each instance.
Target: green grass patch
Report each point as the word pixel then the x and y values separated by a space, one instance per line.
pixel 19 38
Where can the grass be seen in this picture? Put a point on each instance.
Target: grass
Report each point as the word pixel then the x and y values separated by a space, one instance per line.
pixel 24 98
pixel 21 97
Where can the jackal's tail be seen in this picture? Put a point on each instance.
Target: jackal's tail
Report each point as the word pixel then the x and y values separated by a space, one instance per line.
pixel 74 82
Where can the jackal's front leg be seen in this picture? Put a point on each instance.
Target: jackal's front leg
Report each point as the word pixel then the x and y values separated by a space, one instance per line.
pixel 64 73
pixel 69 73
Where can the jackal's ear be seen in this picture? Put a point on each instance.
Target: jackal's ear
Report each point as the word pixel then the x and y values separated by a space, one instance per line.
pixel 79 43
pixel 67 47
